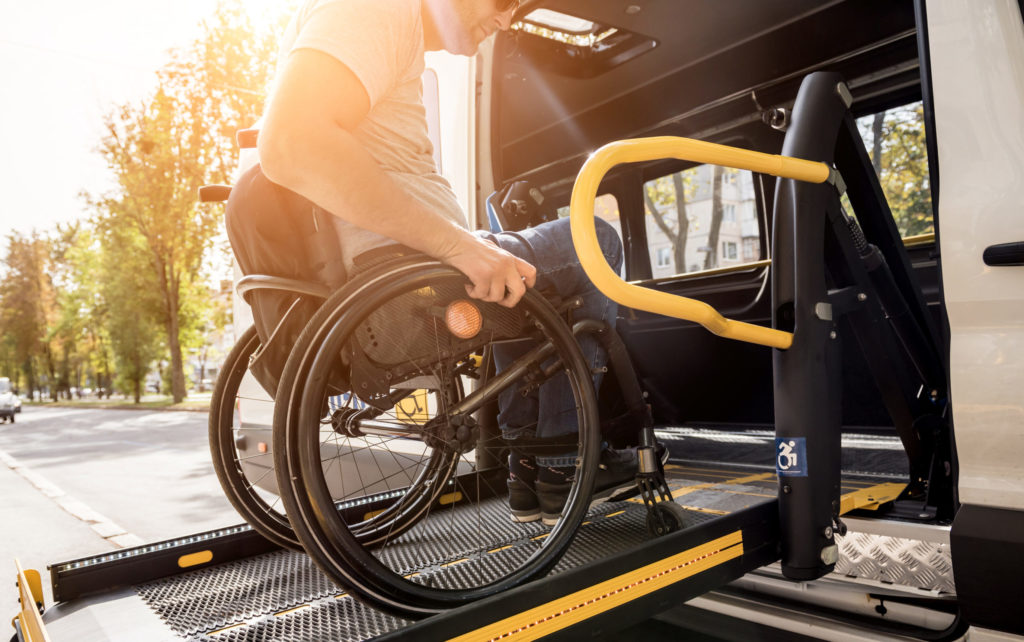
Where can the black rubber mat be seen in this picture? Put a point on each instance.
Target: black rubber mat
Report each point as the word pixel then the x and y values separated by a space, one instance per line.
pixel 212 598
pixel 331 619
pixel 283 596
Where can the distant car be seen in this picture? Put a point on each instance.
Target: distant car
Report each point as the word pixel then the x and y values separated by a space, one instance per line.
pixel 9 402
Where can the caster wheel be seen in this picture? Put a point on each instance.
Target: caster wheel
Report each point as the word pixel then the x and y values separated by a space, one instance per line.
pixel 664 518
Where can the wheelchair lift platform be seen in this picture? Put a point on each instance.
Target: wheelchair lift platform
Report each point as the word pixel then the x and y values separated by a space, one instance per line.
pixel 233 585
pixel 239 587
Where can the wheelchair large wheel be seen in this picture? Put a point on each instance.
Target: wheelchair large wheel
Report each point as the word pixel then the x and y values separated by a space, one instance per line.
pixel 390 339
pixel 378 469
pixel 246 474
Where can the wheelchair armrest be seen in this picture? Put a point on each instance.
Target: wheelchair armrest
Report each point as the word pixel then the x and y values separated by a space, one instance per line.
pixel 253 282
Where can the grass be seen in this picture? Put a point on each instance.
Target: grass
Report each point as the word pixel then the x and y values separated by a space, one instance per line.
pixel 149 402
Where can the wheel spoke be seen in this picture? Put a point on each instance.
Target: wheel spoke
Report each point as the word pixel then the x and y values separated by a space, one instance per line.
pixel 228 407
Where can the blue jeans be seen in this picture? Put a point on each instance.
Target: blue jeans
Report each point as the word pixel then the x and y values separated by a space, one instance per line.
pixel 551 410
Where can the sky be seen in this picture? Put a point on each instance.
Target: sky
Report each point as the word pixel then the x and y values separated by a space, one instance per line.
pixel 63 65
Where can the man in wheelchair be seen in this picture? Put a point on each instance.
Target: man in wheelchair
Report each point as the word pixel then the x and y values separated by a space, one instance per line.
pixel 346 168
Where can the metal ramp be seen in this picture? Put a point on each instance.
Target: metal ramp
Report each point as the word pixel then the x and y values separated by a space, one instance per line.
pixel 614 574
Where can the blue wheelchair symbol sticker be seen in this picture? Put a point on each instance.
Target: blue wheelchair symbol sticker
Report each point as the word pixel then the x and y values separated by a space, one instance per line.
pixel 791 456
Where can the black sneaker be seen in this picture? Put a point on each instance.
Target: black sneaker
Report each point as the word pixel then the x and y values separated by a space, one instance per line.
pixel 553 485
pixel 522 496
pixel 616 481
pixel 523 502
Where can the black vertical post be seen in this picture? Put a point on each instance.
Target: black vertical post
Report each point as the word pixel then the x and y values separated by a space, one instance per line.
pixel 807 375
pixel 488 455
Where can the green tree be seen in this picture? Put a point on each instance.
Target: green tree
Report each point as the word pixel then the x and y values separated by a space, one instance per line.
pixel 27 308
pixel 899 154
pixel 84 310
pixel 711 258
pixel 164 148
pixel 671 191
pixel 215 325
pixel 130 304
pixel 8 363
pixel 877 123
pixel 65 329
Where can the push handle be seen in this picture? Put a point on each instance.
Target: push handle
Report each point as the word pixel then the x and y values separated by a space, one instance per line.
pixel 246 138
pixel 584 232
pixel 214 193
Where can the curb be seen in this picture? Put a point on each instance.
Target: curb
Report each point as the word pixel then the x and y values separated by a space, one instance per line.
pixel 59 404
pixel 102 526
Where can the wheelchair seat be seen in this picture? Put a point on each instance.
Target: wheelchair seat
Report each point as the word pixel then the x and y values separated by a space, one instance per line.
pixel 276 233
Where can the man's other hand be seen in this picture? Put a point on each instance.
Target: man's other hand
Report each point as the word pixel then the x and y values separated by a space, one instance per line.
pixel 495 274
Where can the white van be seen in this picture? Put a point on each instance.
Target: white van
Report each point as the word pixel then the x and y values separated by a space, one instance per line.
pixel 869 476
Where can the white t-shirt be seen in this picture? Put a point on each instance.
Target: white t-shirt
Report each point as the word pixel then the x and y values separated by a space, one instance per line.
pixel 381 41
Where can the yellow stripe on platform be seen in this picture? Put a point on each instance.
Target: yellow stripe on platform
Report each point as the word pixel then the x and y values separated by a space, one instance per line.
pixel 589 602
pixel 685 490
pixel 228 628
pixel 738 480
pixel 711 511
pixel 870 498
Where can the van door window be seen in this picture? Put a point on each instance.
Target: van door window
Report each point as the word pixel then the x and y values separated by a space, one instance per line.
pixel 895 142
pixel 718 211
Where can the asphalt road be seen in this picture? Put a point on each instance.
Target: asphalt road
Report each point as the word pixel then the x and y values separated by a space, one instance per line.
pixel 77 482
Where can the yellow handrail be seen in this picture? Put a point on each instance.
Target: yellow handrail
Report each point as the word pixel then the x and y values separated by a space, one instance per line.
pixel 584 232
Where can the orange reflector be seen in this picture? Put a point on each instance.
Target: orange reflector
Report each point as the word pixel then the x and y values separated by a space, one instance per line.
pixel 463 319
pixel 195 559
pixel 262 446
pixel 449 498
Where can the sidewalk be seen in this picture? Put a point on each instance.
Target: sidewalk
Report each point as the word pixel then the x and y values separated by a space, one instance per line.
pixel 38 532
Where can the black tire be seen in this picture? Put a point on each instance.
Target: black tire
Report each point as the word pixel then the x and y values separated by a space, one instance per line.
pixel 428 484
pixel 260 507
pixel 666 517
pixel 375 568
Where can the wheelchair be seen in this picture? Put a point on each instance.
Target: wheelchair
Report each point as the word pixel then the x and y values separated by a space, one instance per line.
pixel 384 429
pixel 385 433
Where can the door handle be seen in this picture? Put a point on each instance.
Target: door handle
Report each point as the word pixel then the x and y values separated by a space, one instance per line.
pixel 1004 254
